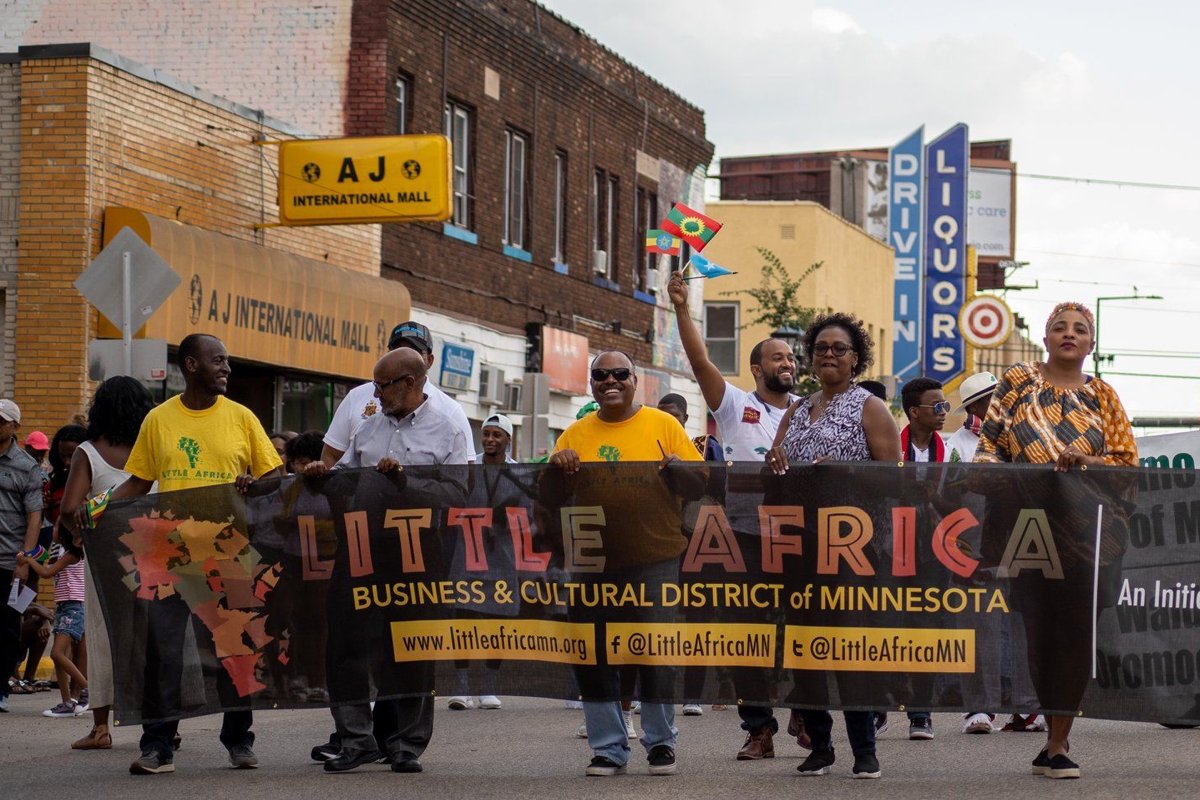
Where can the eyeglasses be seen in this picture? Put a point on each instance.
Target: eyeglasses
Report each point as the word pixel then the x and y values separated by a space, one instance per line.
pixel 379 387
pixel 620 373
pixel 839 349
pixel 938 408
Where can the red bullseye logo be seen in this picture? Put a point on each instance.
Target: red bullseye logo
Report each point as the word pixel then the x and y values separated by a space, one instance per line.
pixel 985 321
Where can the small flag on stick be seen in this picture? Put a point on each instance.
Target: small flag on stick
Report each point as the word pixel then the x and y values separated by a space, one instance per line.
pixel 662 242
pixel 706 268
pixel 691 226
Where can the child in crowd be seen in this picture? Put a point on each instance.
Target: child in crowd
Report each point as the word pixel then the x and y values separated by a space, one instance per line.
pixel 68 653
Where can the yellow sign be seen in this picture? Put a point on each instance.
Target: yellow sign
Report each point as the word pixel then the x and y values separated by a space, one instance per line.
pixel 879 649
pixel 480 639
pixel 363 180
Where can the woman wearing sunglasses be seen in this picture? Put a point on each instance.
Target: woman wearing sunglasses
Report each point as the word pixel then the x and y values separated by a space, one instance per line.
pixel 841 422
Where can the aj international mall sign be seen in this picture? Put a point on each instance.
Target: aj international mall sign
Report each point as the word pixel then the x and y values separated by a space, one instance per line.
pixel 367 179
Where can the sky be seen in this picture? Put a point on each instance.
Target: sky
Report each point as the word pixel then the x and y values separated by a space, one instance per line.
pixel 1095 90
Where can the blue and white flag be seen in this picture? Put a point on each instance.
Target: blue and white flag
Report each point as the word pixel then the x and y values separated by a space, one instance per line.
pixel 706 268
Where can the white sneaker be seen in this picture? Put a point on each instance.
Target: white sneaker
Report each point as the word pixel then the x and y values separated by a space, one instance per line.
pixel 1038 724
pixel 489 701
pixel 582 732
pixel 692 710
pixel 630 731
pixel 459 703
pixel 977 723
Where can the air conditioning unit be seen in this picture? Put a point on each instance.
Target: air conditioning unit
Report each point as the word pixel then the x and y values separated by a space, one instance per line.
pixel 652 280
pixel 600 262
pixel 512 397
pixel 491 385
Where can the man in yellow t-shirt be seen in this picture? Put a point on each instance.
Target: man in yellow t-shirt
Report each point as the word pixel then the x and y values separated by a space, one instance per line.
pixel 643 518
pixel 199 438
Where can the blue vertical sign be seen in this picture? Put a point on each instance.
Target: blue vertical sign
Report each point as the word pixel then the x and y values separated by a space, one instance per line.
pixel 945 253
pixel 905 181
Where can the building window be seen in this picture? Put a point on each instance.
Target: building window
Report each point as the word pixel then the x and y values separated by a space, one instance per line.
pixel 560 207
pixel 403 102
pixel 516 190
pixel 721 335
pixel 605 191
pixel 647 216
pixel 457 127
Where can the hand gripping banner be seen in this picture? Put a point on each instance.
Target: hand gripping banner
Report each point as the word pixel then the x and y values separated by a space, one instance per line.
pixel 859 586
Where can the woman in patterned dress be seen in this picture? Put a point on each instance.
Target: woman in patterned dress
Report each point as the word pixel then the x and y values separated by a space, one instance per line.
pixel 841 422
pixel 1052 413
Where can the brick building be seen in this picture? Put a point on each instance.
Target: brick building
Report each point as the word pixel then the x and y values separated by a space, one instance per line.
pixel 564 154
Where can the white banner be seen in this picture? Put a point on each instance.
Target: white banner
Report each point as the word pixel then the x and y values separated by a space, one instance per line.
pixel 1176 450
pixel 989 212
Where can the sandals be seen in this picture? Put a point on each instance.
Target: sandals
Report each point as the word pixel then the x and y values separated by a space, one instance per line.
pixel 97 739
pixel 21 687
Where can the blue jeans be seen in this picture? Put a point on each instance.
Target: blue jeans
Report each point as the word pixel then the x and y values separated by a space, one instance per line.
pixel 606 728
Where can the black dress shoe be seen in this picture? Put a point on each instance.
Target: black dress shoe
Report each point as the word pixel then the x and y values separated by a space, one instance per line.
pixel 349 759
pixel 404 762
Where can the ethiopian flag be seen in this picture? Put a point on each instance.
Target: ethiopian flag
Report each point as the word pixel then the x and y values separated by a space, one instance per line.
pixel 662 242
pixel 691 226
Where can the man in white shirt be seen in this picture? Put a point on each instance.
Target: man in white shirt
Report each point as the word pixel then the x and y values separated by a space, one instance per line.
pixel 360 404
pixel 407 430
pixel 975 395
pixel 746 427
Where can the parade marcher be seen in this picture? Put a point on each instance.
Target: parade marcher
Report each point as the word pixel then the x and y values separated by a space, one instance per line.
pixel 622 430
pixel 840 422
pixel 409 430
pixel 706 444
pixel 360 403
pixel 1052 413
pixel 226 444
pixel 975 395
pixel 97 465
pixel 67 652
pixel 746 427
pixel 21 500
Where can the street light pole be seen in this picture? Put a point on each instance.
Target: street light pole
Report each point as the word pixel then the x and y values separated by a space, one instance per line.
pixel 1097 359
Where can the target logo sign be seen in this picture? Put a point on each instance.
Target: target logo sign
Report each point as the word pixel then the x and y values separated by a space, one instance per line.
pixel 985 321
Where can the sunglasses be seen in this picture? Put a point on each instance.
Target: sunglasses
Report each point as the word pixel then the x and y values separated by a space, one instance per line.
pixel 620 373
pixel 938 408
pixel 839 349
pixel 381 386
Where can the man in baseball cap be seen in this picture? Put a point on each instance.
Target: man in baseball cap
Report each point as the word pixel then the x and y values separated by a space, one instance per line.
pixel 411 334
pixel 10 411
pixel 975 395
pixel 497 436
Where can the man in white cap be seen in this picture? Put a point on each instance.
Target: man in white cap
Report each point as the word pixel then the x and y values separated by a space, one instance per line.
pixel 975 395
pixel 20 523
pixel 496 436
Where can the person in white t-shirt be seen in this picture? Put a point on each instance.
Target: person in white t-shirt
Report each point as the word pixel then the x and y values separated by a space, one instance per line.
pixel 359 404
pixel 975 395
pixel 746 426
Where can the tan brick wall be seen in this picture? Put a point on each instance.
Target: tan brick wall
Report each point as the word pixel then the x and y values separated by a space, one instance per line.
pixel 10 163
pixel 285 57
pixel 94 136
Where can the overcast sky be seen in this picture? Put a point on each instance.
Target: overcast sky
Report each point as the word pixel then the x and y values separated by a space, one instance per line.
pixel 1090 90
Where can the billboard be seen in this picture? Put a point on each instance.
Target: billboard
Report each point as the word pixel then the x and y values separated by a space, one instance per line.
pixel 905 196
pixel 989 212
pixel 946 167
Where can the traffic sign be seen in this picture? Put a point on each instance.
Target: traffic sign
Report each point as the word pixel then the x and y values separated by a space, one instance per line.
pixel 106 358
pixel 985 321
pixel 151 280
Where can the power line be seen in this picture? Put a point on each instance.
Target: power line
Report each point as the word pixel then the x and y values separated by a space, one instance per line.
pixel 1179 187
pixel 1153 375
pixel 1112 258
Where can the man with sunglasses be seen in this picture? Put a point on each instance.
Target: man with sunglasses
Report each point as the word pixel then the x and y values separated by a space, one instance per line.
pixel 926 408
pixel 746 426
pixel 643 540
pixel 408 430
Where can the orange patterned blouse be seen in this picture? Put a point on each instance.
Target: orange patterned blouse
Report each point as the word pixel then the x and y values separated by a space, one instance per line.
pixel 1031 421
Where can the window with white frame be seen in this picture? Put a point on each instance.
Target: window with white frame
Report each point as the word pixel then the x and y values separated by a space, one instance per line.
pixel 721 335
pixel 560 207
pixel 516 146
pixel 403 102
pixel 647 216
pixel 457 127
pixel 610 228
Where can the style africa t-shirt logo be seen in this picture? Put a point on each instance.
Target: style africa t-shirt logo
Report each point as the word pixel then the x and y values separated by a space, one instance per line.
pixel 609 453
pixel 190 448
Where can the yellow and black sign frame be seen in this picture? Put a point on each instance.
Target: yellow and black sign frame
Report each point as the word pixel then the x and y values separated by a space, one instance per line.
pixel 365 179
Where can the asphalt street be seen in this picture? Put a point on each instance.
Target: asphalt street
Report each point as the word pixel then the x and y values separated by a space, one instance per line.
pixel 528 749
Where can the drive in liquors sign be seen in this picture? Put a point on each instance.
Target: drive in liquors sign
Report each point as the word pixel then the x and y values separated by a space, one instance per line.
pixel 946 167
pixel 905 182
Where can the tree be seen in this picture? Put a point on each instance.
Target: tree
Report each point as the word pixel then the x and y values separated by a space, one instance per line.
pixel 778 306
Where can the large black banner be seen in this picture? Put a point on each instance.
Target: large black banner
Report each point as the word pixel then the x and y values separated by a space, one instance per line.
pixel 873 586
